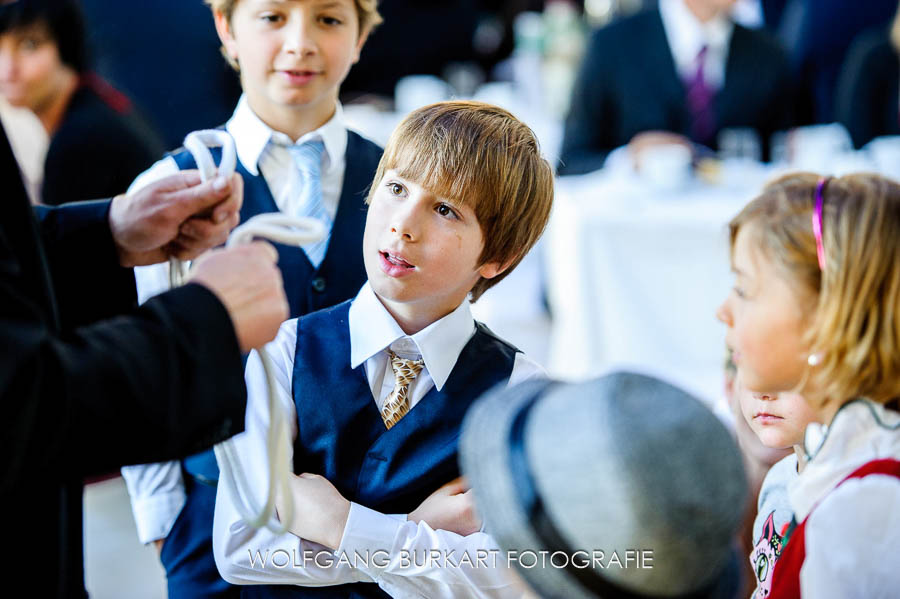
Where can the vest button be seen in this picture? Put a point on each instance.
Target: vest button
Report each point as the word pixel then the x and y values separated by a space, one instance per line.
pixel 318 284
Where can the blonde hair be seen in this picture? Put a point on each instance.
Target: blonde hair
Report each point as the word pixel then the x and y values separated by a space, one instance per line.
pixel 366 12
pixel 895 31
pixel 483 157
pixel 855 301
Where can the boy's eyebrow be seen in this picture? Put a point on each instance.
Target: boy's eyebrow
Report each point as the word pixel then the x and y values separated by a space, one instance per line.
pixel 326 4
pixel 320 4
pixel 452 201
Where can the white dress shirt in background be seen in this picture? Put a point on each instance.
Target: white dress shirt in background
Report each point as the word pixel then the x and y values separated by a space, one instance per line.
pixel 687 35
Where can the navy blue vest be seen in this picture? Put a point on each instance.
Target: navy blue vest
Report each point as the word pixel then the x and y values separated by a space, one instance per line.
pixel 340 274
pixel 342 437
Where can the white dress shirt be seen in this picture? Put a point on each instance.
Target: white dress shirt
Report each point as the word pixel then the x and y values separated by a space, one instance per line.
pixel 852 536
pixel 687 35
pixel 157 490
pixel 372 331
pixel 29 142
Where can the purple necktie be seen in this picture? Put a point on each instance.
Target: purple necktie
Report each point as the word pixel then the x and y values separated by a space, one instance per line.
pixel 700 103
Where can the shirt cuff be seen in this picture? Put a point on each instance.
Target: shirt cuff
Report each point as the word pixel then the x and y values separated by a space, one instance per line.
pixel 368 532
pixel 155 515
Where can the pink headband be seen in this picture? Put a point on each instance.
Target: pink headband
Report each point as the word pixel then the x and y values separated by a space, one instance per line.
pixel 817 222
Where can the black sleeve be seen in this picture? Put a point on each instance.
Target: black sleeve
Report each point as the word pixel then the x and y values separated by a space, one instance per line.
pixel 585 142
pixel 165 381
pixel 84 266
pixel 860 90
pixel 162 382
pixel 94 154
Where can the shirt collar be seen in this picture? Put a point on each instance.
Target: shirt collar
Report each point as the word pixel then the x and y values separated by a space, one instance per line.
pixel 687 35
pixel 252 136
pixel 373 329
pixel 860 432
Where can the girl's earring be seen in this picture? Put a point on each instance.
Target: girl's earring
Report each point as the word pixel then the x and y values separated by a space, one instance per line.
pixel 814 359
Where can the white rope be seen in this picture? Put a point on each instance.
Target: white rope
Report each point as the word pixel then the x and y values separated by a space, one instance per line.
pixel 198 144
pixel 280 228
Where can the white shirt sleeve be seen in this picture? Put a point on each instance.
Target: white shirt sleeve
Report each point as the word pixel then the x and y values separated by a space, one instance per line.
pixel 156 490
pixel 157 497
pixel 407 559
pixel 852 540
pixel 245 555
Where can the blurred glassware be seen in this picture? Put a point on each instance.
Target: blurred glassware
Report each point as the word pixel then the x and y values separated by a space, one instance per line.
pixel 600 12
pixel 778 155
pixel 564 36
pixel 739 143
pixel 817 148
pixel 528 58
pixel 415 91
pixel 464 78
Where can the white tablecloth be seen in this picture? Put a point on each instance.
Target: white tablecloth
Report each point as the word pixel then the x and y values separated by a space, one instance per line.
pixel 635 276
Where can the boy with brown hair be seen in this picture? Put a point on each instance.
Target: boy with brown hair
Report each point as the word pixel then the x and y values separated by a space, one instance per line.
pixel 296 156
pixel 377 387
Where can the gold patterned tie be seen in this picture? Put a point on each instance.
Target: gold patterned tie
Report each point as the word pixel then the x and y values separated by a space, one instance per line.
pixel 397 404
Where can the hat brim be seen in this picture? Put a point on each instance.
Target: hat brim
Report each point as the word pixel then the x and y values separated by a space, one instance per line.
pixel 484 452
pixel 484 458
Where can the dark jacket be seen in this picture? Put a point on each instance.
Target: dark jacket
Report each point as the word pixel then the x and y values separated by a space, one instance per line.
pixel 867 95
pixel 628 83
pixel 84 392
pixel 101 145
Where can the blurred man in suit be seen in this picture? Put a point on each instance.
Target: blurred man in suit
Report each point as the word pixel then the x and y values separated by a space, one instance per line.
pixel 677 74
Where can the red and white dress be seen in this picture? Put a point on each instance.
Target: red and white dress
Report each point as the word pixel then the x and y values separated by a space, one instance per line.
pixel 847 501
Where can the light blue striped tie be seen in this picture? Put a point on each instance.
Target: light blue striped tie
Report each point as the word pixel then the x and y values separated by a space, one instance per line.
pixel 308 158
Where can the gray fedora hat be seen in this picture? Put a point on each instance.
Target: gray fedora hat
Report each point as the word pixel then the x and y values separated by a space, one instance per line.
pixel 623 486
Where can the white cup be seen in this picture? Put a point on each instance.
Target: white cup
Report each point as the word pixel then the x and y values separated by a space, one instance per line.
pixel 666 166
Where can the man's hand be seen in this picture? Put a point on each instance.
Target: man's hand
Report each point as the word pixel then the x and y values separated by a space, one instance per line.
pixel 249 284
pixel 320 511
pixel 451 508
pixel 177 216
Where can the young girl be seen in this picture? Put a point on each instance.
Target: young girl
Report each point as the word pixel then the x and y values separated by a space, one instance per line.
pixel 775 422
pixel 816 310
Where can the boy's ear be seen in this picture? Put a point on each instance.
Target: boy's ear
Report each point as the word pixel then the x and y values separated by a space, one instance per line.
pixel 363 36
pixel 223 28
pixel 492 269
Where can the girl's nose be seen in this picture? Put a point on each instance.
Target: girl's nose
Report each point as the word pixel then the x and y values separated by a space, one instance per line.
pixel 723 313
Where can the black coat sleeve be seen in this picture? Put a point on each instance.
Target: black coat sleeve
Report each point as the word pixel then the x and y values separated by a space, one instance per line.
pixel 160 381
pixel 864 88
pixel 88 282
